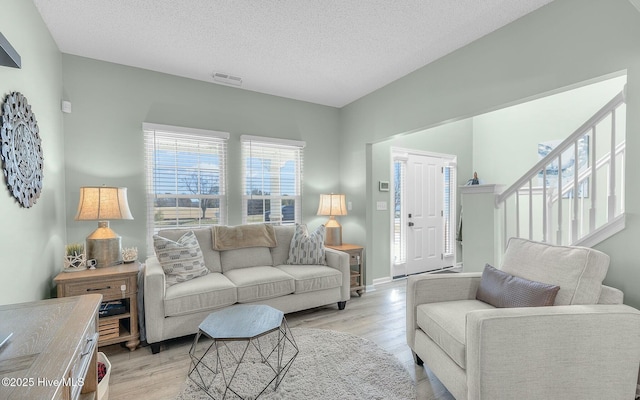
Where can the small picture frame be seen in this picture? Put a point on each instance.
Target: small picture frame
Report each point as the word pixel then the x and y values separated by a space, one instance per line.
pixel 383 186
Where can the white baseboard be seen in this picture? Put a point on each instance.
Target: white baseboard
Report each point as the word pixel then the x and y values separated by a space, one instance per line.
pixel 380 281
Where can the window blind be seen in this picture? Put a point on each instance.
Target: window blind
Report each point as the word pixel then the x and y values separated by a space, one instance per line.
pixel 271 180
pixel 185 176
pixel 449 181
pixel 400 214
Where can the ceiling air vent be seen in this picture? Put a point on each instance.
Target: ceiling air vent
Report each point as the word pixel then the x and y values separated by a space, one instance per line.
pixel 227 79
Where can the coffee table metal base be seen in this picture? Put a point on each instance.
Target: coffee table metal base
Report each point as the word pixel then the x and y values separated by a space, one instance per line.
pixel 268 355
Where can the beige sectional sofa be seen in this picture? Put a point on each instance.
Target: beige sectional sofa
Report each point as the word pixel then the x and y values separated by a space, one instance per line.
pixel 256 275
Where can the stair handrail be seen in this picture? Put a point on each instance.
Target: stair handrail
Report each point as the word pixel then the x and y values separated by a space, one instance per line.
pixel 564 145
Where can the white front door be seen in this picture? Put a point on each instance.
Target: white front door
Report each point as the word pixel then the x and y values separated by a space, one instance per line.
pixel 424 201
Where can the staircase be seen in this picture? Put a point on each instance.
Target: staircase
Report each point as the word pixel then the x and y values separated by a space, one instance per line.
pixel 575 194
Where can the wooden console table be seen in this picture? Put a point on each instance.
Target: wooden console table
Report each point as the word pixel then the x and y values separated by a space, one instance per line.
pixel 113 283
pixel 53 351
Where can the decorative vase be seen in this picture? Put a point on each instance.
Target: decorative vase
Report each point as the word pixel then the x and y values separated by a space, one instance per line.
pixel 75 263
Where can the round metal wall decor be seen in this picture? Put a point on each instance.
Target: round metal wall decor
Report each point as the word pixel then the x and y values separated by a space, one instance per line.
pixel 21 150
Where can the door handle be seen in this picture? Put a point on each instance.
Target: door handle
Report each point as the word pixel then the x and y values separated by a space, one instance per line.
pixel 410 223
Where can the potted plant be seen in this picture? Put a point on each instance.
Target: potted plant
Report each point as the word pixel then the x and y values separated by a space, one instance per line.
pixel 74 259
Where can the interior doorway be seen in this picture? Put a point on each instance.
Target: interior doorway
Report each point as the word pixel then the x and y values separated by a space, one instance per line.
pixel 424 211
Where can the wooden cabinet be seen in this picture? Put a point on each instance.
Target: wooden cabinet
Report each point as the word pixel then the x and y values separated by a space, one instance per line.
pixel 113 283
pixel 356 261
pixel 52 353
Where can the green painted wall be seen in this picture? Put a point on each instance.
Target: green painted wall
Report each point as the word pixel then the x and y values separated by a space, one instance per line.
pixel 32 239
pixel 556 46
pixel 515 132
pixel 104 140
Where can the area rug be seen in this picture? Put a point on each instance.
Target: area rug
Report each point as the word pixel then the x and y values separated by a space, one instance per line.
pixel 329 365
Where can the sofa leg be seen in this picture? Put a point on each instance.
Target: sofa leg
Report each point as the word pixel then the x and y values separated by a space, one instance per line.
pixel 417 359
pixel 155 348
pixel 342 305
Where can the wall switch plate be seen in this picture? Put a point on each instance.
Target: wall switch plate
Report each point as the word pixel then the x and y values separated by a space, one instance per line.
pixel 66 107
pixel 381 205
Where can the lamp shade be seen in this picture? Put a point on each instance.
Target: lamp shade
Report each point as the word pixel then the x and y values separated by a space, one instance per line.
pixel 103 203
pixel 332 204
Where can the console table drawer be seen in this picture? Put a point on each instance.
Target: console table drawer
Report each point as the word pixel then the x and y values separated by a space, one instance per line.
pixel 83 361
pixel 109 288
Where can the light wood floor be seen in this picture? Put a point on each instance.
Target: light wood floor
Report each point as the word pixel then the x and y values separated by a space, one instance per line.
pixel 378 315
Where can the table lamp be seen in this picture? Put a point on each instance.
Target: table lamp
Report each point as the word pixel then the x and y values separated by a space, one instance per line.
pixel 102 204
pixel 332 205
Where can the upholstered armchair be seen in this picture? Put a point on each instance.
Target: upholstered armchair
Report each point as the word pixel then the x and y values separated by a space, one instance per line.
pixel 585 346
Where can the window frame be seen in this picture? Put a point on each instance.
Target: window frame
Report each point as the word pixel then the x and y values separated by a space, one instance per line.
pixel 275 201
pixel 153 133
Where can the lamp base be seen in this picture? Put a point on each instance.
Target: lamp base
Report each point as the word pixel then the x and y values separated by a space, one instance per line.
pixel 333 236
pixel 104 246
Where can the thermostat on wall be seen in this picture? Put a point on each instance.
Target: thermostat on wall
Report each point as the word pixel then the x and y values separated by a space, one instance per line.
pixel 383 186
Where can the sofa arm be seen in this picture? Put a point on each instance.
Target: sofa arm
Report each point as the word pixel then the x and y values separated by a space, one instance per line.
pixel 154 289
pixel 435 288
pixel 340 261
pixel 561 352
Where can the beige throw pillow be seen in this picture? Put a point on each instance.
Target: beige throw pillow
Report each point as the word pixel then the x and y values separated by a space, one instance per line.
pixel 181 260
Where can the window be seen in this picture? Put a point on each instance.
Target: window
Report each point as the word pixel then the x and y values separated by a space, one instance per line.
pixel 399 214
pixel 271 180
pixel 185 171
pixel 449 172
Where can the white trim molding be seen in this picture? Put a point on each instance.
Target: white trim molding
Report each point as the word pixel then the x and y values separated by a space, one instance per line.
pixel 148 126
pixel 604 232
pixel 284 142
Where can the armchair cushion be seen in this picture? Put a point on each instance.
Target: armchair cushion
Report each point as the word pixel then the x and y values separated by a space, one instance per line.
pixel 445 323
pixel 579 271
pixel 504 290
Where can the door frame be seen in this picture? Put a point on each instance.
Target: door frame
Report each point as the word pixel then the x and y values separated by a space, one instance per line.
pixel 448 160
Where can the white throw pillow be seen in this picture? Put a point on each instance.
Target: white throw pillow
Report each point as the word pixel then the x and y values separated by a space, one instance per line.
pixel 307 248
pixel 181 260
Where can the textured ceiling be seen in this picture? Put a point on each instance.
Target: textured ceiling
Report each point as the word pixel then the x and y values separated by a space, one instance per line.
pixel 329 52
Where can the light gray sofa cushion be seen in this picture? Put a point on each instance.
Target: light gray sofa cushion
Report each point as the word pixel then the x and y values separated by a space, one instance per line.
pixel 309 278
pixel 579 271
pixel 260 283
pixel 211 257
pixel 243 258
pixel 207 292
pixel 445 323
pixel 284 234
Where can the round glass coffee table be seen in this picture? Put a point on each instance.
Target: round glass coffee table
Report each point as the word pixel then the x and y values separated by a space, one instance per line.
pixel 252 347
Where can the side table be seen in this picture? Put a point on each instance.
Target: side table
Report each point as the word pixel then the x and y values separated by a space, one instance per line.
pixel 356 261
pixel 113 283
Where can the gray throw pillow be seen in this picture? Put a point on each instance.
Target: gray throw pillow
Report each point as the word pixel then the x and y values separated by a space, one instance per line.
pixel 181 260
pixel 504 290
pixel 307 248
